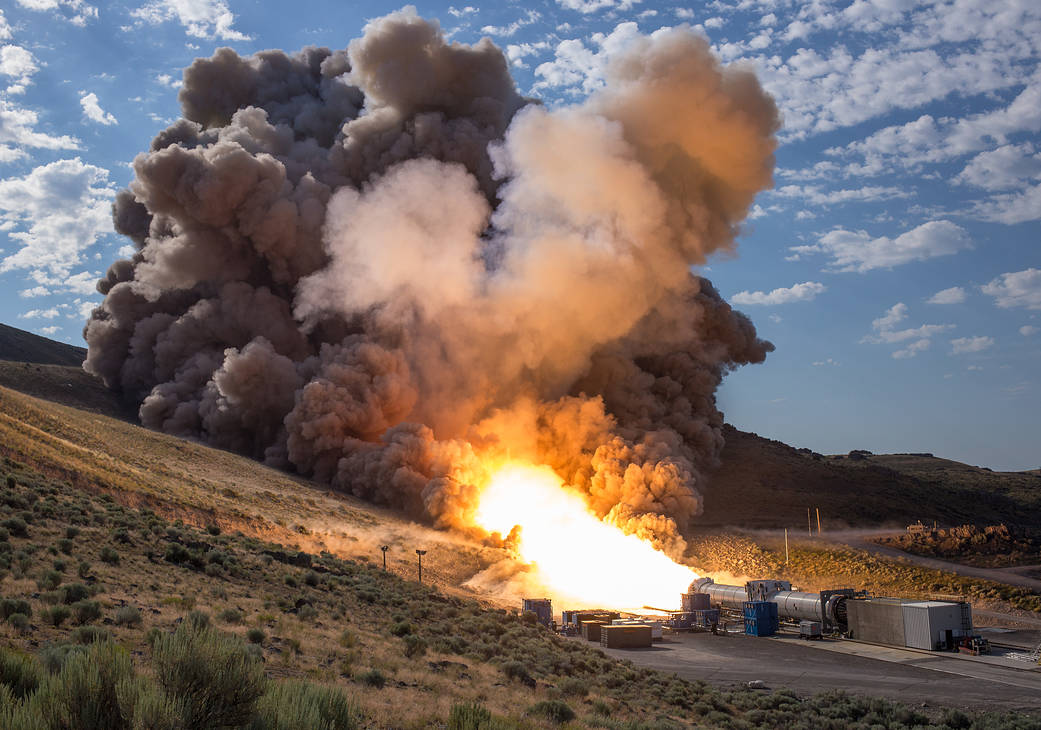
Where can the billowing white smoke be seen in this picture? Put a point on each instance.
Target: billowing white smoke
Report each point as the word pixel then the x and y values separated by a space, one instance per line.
pixel 384 268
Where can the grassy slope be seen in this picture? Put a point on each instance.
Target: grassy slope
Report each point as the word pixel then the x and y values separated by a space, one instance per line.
pixel 22 346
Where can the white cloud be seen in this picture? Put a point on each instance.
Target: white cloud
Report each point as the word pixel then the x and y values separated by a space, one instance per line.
pixel 511 29
pixel 17 127
pixel 61 209
pixel 168 80
pixel 954 295
pixel 517 52
pixel 20 65
pixel 815 196
pixel 460 12
pixel 1016 289
pixel 77 12
pixel 1027 330
pixel 49 330
pixel 40 313
pixel 823 363
pixel 576 67
pixel 911 350
pixel 591 6
pixel 962 345
pixel 976 368
pixel 1012 208
pixel 803 292
pixel 885 334
pixel 858 251
pixel 93 111
pixel 5 28
pixel 210 19
pixel 1008 166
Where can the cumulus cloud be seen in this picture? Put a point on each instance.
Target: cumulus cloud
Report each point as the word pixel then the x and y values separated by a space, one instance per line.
pixel 1016 289
pixel 18 131
pixel 1008 166
pixel 577 67
pixel 93 111
pixel 886 332
pixel 209 19
pixel 18 64
pixel 859 251
pixel 77 12
pixel 510 29
pixel 57 211
pixel 1028 330
pixel 40 313
pixel 5 27
pixel 824 363
pixel 815 195
pixel 954 295
pixel 804 292
pixel 591 6
pixel 962 345
pixel 1012 208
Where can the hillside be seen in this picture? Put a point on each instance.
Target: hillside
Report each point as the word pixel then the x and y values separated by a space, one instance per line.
pixel 21 346
pixel 760 482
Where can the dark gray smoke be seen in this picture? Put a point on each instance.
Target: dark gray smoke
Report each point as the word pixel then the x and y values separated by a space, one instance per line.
pixel 385 269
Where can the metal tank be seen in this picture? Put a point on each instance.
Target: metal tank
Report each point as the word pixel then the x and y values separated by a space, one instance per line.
pixel 828 607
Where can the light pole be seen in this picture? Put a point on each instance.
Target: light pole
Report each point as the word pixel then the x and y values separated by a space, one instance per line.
pixel 421 553
pixel 384 548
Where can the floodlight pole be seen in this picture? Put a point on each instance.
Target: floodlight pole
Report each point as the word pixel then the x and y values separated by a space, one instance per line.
pixel 384 548
pixel 421 553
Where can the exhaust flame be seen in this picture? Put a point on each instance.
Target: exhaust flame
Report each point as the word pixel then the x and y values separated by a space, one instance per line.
pixel 577 557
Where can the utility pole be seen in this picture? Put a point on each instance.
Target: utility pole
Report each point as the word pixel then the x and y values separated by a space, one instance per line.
pixel 384 548
pixel 421 553
pixel 786 546
pixel 818 520
pixel 809 527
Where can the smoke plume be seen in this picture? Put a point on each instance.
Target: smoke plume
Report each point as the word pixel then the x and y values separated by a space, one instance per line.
pixel 385 269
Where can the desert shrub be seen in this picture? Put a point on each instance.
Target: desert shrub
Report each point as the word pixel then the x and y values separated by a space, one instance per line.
pixel 11 606
pixel 146 706
pixel 469 716
pixel 16 526
pixel 211 672
pixel 516 670
pixel 230 616
pixel 19 622
pixel 292 705
pixel 86 611
pixel 83 569
pixel 213 530
pixel 197 619
pixel 109 555
pixel 86 635
pixel 307 612
pixel 291 581
pixel 48 580
pixel 373 678
pixel 83 694
pixel 72 532
pixel 574 687
pixel 60 565
pixel 414 646
pixel 256 635
pixel 19 672
pixel 52 657
pixel 213 570
pixel 402 628
pixel 4 534
pixel 57 615
pixel 74 592
pixel 311 578
pixel 554 710
pixel 66 545
pixel 128 616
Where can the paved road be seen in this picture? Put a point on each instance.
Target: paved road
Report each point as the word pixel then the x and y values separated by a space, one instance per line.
pixel 910 677
pixel 999 575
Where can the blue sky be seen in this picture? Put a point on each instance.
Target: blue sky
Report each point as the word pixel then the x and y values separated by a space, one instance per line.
pixel 896 264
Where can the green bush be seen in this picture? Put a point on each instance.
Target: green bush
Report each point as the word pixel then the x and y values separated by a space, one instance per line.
pixel 574 687
pixel 128 616
pixel 256 635
pixel 86 635
pixel 19 672
pixel 66 545
pixel 109 555
pixel 147 707
pixel 4 534
pixel 554 710
pixel 373 678
pixel 19 622
pixel 83 695
pixel 74 592
pixel 402 628
pixel 516 670
pixel 307 612
pixel 86 611
pixel 230 616
pixel 53 656
pixel 414 646
pixel 48 580
pixel 212 674
pixel 292 705
pixel 16 526
pixel 11 606
pixel 72 532
pixel 469 716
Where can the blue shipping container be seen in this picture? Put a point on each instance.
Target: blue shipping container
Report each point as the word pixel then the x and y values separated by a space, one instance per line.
pixel 541 607
pixel 761 618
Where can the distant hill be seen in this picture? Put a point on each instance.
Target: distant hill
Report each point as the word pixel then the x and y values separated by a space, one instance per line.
pixel 21 346
pixel 760 482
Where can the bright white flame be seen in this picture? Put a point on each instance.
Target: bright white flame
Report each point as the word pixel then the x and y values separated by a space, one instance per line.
pixel 578 557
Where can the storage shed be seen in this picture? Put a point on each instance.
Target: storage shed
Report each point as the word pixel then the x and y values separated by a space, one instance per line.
pixel 935 624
